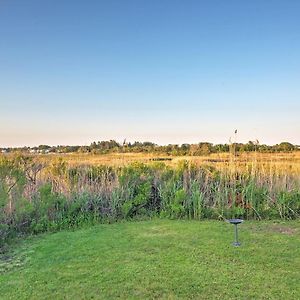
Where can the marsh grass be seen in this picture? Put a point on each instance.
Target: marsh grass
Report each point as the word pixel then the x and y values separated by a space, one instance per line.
pixel 63 194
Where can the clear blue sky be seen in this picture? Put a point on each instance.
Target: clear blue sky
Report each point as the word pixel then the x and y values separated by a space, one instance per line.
pixel 168 71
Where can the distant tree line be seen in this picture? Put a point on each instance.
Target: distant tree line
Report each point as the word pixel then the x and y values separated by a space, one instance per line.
pixel 203 148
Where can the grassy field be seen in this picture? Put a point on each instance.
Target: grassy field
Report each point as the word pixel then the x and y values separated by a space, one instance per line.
pixel 157 259
pixel 119 158
pixel 288 163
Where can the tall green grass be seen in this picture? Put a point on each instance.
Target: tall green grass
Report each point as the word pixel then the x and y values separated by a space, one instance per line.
pixel 36 198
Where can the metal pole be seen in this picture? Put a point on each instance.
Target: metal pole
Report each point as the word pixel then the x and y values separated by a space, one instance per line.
pixel 236 243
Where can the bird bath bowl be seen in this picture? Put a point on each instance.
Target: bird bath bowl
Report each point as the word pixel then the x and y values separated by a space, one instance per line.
pixel 235 222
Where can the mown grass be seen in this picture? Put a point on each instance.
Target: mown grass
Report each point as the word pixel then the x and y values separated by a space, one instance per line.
pixel 157 259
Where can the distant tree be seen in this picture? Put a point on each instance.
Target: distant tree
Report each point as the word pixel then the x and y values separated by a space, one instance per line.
pixel 43 147
pixel 250 146
pixel 185 148
pixel 285 146
pixel 221 148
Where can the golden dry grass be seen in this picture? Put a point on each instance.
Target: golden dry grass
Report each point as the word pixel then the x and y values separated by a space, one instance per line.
pixel 279 163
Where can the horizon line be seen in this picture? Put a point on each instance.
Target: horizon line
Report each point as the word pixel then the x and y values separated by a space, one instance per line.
pixel 145 141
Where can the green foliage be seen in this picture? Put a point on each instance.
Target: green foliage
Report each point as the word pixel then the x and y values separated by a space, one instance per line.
pixel 139 201
pixel 49 209
pixel 195 204
pixel 288 204
pixel 136 183
pixel 68 197
pixel 177 205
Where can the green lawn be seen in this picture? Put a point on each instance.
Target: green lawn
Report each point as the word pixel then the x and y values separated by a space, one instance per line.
pixel 157 259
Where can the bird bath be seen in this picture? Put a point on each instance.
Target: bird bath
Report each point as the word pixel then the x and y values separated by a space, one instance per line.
pixel 235 222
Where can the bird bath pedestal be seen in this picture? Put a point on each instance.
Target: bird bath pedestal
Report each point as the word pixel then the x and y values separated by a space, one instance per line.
pixel 235 222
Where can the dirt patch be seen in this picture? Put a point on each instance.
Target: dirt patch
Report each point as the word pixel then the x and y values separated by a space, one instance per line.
pixel 157 232
pixel 283 229
pixel 274 228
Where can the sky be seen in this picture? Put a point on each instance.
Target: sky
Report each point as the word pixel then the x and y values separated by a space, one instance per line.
pixel 166 71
